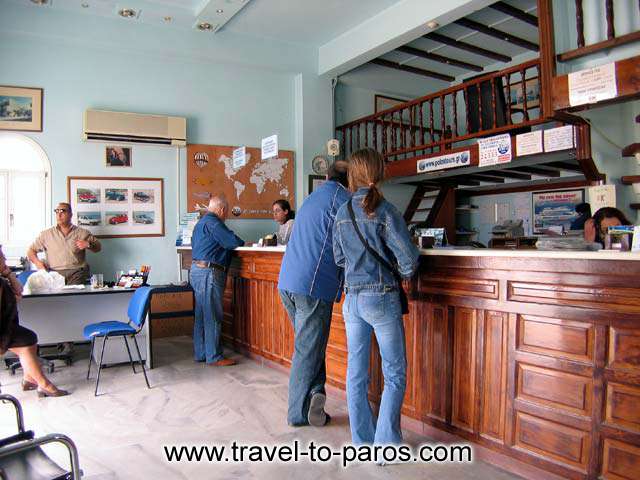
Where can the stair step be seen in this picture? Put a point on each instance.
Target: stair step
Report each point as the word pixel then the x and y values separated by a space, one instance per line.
pixel 631 150
pixel 630 179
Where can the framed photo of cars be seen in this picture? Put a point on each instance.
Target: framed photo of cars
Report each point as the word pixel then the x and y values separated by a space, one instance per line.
pixel 118 206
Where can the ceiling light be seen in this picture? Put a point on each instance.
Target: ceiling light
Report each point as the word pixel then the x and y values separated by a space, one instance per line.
pixel 84 5
pixel 127 13
pixel 219 10
pixel 40 2
pixel 167 18
pixel 205 26
pixel 433 24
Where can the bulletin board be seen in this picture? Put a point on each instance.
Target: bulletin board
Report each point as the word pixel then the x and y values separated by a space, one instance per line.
pixel 250 184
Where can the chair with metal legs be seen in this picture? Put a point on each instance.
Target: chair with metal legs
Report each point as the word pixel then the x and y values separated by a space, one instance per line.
pixel 137 313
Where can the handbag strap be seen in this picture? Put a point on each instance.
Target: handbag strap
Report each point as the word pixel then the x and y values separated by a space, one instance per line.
pixel 375 254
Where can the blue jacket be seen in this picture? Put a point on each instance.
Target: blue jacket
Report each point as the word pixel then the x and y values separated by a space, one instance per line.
pixel 386 232
pixel 308 267
pixel 212 241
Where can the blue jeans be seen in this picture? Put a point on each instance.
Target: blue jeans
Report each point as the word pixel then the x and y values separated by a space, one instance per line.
pixel 208 285
pixel 379 312
pixel 311 319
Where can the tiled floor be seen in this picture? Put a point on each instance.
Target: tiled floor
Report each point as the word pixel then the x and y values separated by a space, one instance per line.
pixel 121 433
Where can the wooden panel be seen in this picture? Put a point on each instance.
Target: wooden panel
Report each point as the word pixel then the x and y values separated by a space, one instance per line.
pixel 437 371
pixel 495 375
pixel 464 367
pixel 557 338
pixel 624 349
pixel 552 440
pixel 620 461
pixel 615 299
pixel 555 389
pixel 471 287
pixel 172 302
pixel 336 359
pixel 172 327
pixel 623 406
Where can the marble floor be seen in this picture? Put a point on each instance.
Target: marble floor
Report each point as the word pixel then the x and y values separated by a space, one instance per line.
pixel 121 433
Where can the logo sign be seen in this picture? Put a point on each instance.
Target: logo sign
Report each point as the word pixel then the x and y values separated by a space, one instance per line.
pixel 451 160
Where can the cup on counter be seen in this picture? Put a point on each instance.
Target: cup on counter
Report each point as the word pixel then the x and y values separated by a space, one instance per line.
pixel 97 280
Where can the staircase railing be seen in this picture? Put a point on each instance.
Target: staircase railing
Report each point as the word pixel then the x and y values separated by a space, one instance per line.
pixel 494 103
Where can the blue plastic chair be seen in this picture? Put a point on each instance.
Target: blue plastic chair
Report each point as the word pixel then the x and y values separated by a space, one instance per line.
pixel 24 276
pixel 137 313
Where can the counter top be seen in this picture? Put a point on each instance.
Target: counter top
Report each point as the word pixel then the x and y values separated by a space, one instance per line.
pixel 491 252
pixel 279 248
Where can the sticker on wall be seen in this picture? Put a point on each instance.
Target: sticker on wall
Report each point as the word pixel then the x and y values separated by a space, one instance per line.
pixel 201 159
pixel 239 157
pixel 494 150
pixel 236 211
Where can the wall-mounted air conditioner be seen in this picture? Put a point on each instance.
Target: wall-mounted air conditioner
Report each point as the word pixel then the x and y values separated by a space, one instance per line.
pixel 121 127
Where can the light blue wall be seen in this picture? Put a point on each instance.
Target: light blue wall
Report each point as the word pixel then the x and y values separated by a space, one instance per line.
pixel 232 89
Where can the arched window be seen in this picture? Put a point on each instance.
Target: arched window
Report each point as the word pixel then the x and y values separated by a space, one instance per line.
pixel 25 174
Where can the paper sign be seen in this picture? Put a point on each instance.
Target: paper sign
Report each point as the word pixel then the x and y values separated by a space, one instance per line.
pixel 239 157
pixel 529 143
pixel 592 85
pixel 494 150
pixel 602 196
pixel 635 247
pixel 451 160
pixel 560 138
pixel 270 147
pixel 333 147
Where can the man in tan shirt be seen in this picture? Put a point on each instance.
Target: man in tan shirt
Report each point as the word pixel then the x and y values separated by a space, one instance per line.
pixel 65 246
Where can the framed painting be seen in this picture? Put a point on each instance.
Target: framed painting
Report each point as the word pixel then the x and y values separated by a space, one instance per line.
pixel 315 181
pixel 382 102
pixel 118 156
pixel 111 207
pixel 555 209
pixel 21 108
pixel 517 95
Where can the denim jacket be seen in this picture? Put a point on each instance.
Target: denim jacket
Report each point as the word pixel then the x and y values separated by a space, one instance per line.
pixel 386 232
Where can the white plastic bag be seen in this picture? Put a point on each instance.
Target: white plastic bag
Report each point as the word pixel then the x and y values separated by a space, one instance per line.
pixel 44 282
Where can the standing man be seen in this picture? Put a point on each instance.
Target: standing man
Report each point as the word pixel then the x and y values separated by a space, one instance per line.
pixel 212 242
pixel 309 284
pixel 65 246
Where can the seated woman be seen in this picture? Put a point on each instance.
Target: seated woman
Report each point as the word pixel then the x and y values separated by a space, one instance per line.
pixel 283 214
pixel 596 228
pixel 18 339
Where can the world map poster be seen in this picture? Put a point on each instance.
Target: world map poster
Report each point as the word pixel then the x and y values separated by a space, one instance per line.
pixel 251 186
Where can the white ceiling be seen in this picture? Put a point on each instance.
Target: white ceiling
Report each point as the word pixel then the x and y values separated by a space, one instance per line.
pixel 407 84
pixel 307 22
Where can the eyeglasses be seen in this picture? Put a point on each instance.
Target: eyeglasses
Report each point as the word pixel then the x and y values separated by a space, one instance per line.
pixel 61 210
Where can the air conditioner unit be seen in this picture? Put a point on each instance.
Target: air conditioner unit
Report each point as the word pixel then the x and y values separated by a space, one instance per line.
pixel 121 127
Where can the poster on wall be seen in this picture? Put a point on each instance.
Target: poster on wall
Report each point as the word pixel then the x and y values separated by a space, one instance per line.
pixel 555 209
pixel 118 206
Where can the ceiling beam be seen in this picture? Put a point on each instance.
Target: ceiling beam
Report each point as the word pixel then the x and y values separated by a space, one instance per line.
pixel 515 175
pixel 436 37
pixel 572 167
pixel 499 34
pixel 545 172
pixel 485 177
pixel 515 13
pixel 439 58
pixel 407 68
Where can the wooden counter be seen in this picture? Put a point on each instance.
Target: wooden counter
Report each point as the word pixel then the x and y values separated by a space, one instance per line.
pixel 537 358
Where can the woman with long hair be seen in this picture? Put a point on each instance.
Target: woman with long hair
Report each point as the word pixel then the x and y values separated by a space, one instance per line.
pixel 596 228
pixel 372 302
pixel 283 214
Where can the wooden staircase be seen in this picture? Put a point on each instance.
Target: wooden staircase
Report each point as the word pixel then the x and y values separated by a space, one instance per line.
pixel 633 150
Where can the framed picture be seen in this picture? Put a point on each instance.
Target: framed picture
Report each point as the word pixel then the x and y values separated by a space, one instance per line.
pixel 118 156
pixel 516 95
pixel 111 207
pixel 382 102
pixel 21 108
pixel 555 209
pixel 315 181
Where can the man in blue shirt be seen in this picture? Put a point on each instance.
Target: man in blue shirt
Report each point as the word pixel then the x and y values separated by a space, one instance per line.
pixel 212 242
pixel 310 282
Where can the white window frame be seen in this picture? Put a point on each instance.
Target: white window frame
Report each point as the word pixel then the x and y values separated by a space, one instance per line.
pixel 46 169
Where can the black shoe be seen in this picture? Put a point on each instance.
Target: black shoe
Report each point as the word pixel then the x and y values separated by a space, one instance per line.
pixel 316 415
pixel 327 419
